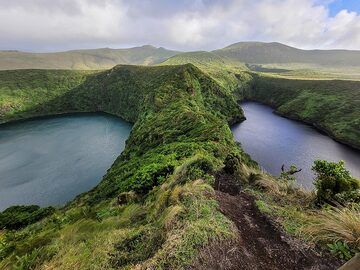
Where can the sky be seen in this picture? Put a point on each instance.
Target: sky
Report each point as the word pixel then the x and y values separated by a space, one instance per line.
pixel 56 25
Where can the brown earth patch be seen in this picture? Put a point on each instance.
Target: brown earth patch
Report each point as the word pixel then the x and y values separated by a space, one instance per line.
pixel 261 244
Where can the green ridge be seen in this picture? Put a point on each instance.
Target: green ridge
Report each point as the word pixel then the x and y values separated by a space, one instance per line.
pixel 181 134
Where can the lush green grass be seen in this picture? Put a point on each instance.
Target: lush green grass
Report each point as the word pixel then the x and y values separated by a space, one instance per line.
pixel 180 136
pixel 310 72
pixel 24 90
pixel 331 105
pixel 311 96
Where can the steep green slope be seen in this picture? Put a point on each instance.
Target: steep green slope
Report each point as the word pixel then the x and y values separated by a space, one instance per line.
pixel 22 90
pixel 84 59
pixel 181 135
pixel 331 105
pixel 155 208
pixel 267 53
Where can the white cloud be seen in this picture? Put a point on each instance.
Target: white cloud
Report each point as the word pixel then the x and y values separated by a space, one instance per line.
pixel 182 24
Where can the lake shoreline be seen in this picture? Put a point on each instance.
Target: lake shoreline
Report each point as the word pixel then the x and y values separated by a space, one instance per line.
pixel 66 155
pixel 58 115
pixel 318 127
pixel 273 140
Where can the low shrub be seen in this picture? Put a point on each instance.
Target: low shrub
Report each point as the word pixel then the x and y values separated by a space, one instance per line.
pixel 334 183
pixel 16 217
pixel 232 163
pixel 193 168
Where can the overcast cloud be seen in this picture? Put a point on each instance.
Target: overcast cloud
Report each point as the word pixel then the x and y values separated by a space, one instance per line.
pixel 49 25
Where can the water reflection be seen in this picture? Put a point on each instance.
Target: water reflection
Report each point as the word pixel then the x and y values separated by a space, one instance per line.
pixel 273 140
pixel 50 161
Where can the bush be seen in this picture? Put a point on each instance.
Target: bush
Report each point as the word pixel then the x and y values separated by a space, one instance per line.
pixel 16 217
pixel 232 163
pixel 196 167
pixel 334 183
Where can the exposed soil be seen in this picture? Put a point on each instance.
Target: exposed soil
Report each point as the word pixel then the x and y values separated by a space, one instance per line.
pixel 260 244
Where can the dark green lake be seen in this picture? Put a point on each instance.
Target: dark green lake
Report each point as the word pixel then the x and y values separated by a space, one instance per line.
pixel 48 161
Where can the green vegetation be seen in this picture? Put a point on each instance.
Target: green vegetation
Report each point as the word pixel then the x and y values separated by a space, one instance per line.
pixel 84 59
pixel 228 73
pixel 156 208
pixel 16 217
pixel 330 105
pixel 334 228
pixel 181 135
pixel 334 183
pixel 23 90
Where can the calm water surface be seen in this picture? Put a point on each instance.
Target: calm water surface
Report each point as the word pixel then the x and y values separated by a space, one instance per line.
pixel 49 161
pixel 272 140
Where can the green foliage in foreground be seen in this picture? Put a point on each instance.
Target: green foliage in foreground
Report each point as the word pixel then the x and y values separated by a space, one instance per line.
pixel 335 228
pixel 334 183
pixel 180 135
pixel 179 138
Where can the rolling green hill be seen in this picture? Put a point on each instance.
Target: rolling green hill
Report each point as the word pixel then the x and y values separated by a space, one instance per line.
pixel 271 53
pixel 180 135
pixel 330 105
pixel 84 59
pixel 225 71
pixel 156 207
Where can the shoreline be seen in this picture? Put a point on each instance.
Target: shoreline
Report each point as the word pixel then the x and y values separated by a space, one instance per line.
pixel 309 123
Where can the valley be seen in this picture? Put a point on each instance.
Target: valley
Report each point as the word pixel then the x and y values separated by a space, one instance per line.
pixel 159 205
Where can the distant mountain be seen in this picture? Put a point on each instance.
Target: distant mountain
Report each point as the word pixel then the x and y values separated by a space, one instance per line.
pixel 84 59
pixel 268 53
pixel 201 58
pixel 234 55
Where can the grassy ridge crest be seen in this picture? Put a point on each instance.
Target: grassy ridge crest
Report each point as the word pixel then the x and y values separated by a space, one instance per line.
pixel 180 136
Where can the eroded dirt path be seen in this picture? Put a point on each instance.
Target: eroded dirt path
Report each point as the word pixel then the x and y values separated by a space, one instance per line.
pixel 261 245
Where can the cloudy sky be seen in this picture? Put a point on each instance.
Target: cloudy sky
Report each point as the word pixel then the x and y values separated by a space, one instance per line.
pixel 52 25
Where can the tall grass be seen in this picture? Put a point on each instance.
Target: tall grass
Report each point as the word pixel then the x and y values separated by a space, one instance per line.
pixel 336 224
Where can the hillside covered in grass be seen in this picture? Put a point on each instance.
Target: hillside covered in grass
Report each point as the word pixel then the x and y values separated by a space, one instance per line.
pixel 330 105
pixel 165 202
pixel 180 135
pixel 92 59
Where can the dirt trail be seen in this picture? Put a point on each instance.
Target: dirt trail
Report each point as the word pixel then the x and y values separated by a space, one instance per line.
pixel 261 244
